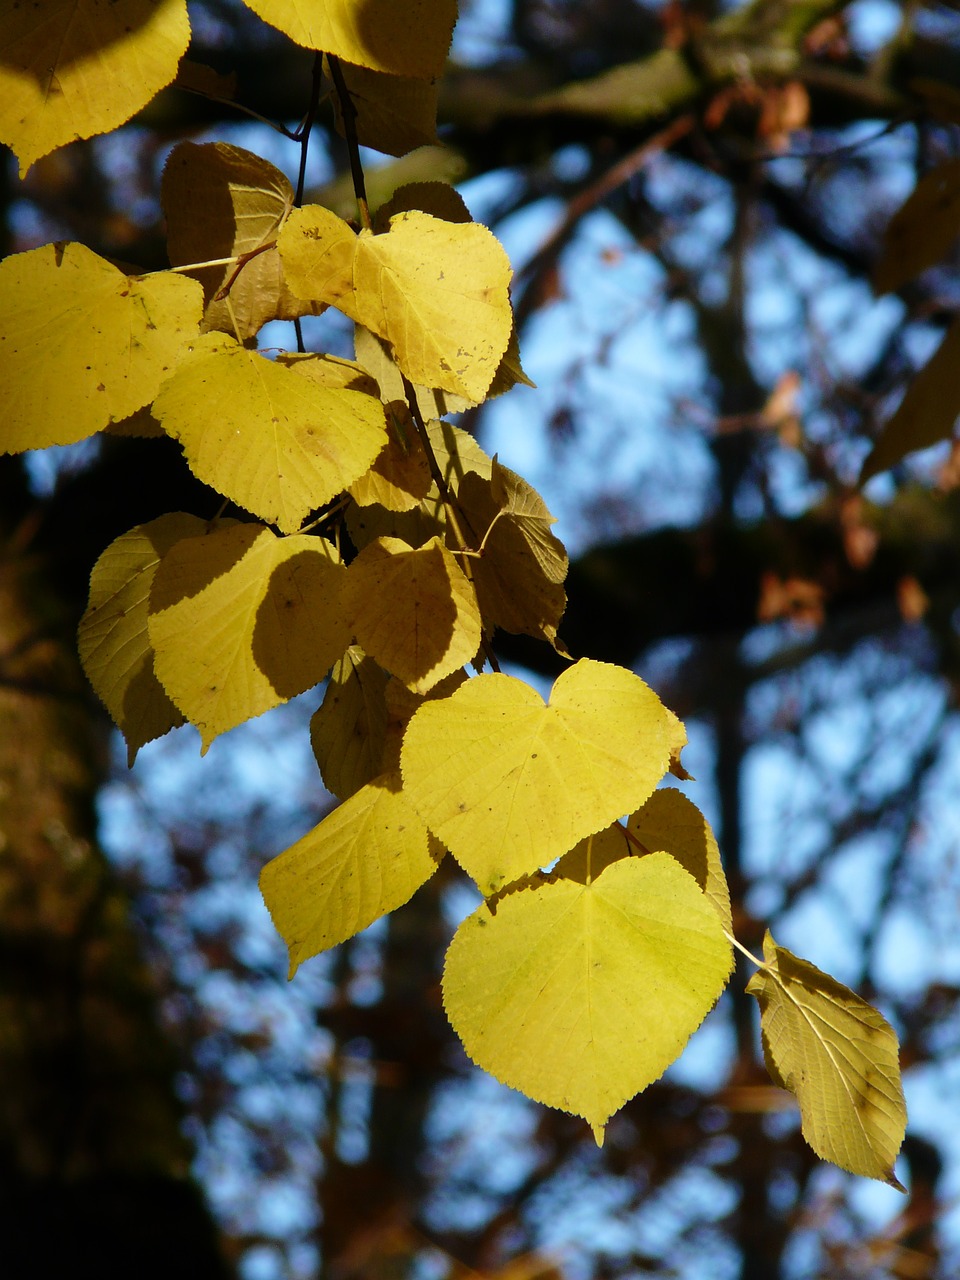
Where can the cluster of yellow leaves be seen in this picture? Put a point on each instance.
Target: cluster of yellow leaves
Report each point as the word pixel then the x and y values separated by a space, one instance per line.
pixel 601 942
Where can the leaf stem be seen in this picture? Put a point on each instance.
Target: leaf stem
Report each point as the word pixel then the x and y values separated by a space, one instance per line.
pixel 349 113
pixel 761 964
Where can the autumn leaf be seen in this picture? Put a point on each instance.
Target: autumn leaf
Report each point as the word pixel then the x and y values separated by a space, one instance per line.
pixel 241 620
pixel 838 1056
pixel 395 114
pixel 279 444
pixel 509 784
pixel 221 201
pixel 348 731
pixel 433 625
pixel 366 858
pixel 922 230
pixel 74 68
pixel 402 37
pixel 111 338
pixel 581 992
pixel 435 290
pixel 113 639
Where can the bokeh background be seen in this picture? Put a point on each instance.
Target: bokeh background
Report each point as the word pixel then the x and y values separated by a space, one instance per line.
pixel 693 195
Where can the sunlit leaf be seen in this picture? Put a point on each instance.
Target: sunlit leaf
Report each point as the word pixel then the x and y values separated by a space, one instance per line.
pixel 838 1056
pixel 348 732
pixel 113 640
pixel 221 201
pixel 403 37
pixel 241 620
pixel 580 993
pixel 671 822
pixel 366 858
pixel 74 68
pixel 432 625
pixel 436 291
pixel 83 345
pixel 278 444
pixel 509 784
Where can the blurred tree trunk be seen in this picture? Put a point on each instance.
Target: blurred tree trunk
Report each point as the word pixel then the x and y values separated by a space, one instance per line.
pixel 93 1165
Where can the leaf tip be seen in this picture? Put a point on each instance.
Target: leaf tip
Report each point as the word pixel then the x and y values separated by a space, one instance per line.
pixel 599 1132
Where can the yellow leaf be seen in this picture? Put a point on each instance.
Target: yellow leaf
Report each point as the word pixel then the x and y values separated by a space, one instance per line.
pixel 438 199
pixel 348 731
pixel 926 414
pixel 509 784
pixel 400 476
pixel 333 372
pixel 366 858
pixel 838 1056
pixel 438 292
pixel 457 455
pixel 221 202
pixel 671 822
pixel 241 620
pixel 277 444
pixel 519 579
pixel 114 645
pixel 580 994
pixel 403 37
pixel 74 68
pixel 395 114
pixel 923 230
pixel 414 611
pixel 83 345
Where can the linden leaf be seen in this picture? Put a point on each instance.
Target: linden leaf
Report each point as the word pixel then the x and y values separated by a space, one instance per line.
pixel 580 994
pixel 519 578
pixel 838 1056
pixel 922 231
pixel 278 444
pixel 402 37
pixel 671 822
pixel 438 199
pixel 366 858
pixel 222 202
pixel 437 291
pixel 400 476
pixel 457 455
pixel 395 114
pixel 927 412
pixel 348 731
pixel 241 620
pixel 74 68
pixel 333 372
pixel 111 340
pixel 432 624
pixel 509 784
pixel 114 644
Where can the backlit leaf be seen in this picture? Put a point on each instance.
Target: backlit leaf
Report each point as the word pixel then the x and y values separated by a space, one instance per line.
pixel 278 444
pixel 220 202
pixel 366 858
pixel 113 641
pixel 395 114
pixel 509 784
pixel 581 993
pixel 671 822
pixel 74 68
pixel 403 37
pixel 435 290
pixel 110 338
pixel 519 579
pixel 923 230
pixel 333 372
pixel 348 732
pixel 838 1056
pixel 400 476
pixel 926 414
pixel 432 625
pixel 241 620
